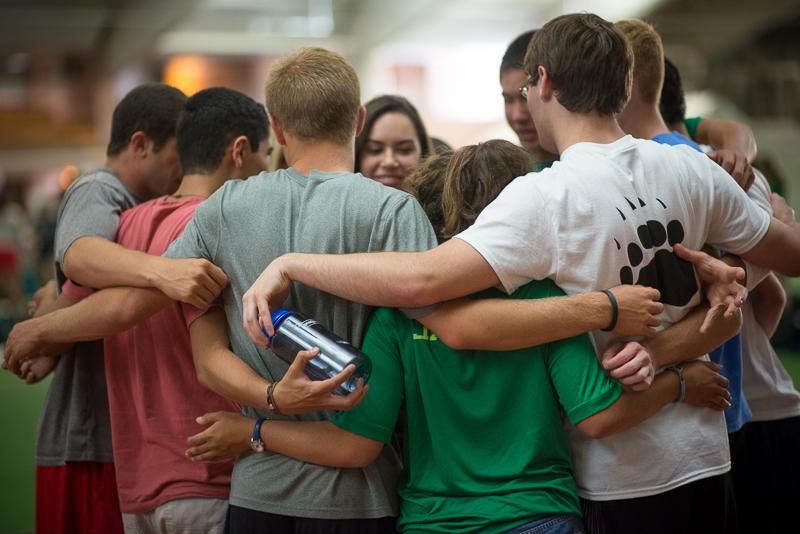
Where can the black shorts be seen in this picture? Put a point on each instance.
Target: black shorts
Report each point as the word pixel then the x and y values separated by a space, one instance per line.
pixel 705 506
pixel 246 521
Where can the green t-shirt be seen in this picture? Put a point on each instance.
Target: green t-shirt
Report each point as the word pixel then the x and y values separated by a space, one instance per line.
pixel 539 166
pixel 691 126
pixel 486 449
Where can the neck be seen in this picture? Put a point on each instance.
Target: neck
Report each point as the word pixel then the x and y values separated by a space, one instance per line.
pixel 201 185
pixel 543 155
pixel 585 128
pixel 121 167
pixel 325 156
pixel 642 120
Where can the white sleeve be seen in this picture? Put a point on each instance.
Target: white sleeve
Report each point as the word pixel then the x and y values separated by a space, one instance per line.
pixel 737 224
pixel 759 194
pixel 516 234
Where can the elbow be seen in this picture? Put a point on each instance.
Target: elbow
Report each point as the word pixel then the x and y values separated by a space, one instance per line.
pixel 417 291
pixel 356 457
pixel 455 339
pixel 596 427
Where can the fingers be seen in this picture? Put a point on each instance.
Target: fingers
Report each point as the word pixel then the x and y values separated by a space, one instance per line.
pixel 264 313
pixel 618 354
pixel 334 382
pixel 218 275
pixel 711 315
pixel 640 361
pixel 250 320
pixel 297 368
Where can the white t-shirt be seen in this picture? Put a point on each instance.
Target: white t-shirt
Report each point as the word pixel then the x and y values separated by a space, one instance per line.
pixel 607 214
pixel 768 388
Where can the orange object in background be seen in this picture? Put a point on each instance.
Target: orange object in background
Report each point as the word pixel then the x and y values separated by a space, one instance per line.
pixel 67 175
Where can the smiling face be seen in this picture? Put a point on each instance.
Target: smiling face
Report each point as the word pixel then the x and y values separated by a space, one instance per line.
pixel 391 151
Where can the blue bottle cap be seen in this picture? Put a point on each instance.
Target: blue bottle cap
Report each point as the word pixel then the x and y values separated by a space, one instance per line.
pixel 278 317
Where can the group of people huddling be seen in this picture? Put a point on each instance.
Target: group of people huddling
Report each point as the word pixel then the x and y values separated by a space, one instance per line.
pixel 538 318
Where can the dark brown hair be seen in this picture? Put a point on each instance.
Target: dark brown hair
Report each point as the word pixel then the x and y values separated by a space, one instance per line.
pixel 380 106
pixel 453 188
pixel 314 94
pixel 588 61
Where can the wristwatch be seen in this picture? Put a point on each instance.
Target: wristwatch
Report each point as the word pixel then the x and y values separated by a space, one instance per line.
pixel 255 441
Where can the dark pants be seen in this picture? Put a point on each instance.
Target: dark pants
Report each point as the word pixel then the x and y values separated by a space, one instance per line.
pixel 702 507
pixel 245 521
pixel 766 475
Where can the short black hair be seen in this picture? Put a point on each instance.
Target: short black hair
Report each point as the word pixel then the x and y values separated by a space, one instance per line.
pixel 211 119
pixel 153 109
pixel 514 58
pixel 673 103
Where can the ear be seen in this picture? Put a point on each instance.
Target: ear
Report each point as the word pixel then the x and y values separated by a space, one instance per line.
pixel 139 144
pixel 362 117
pixel 545 86
pixel 239 146
pixel 280 137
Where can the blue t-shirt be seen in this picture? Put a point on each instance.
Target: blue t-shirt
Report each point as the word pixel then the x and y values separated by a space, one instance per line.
pixel 729 354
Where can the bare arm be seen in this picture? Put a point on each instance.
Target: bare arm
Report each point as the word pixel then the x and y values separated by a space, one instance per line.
pixel 682 341
pixel 728 135
pixel 317 442
pixel 101 314
pixel 779 250
pixel 453 269
pixel 99 263
pixel 511 324
pixel 705 387
pixel 769 299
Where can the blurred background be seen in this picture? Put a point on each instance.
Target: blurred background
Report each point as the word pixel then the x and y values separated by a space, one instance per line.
pixel 65 64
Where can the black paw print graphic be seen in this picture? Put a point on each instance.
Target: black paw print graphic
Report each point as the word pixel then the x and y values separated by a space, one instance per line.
pixel 668 273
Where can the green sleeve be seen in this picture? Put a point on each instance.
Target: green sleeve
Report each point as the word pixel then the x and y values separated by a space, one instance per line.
pixel 691 126
pixel 375 417
pixel 580 382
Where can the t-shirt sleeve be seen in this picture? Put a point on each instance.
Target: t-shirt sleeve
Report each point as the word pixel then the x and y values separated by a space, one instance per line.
pixel 375 417
pixel 737 223
pixel 759 193
pixel 516 235
pixel 691 126
pixel 91 209
pixel 582 386
pixel 201 236
pixel 406 228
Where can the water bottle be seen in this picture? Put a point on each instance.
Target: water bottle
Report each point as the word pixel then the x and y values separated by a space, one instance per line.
pixel 294 332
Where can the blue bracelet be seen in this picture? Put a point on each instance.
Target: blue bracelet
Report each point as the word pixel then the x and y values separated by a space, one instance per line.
pixel 255 441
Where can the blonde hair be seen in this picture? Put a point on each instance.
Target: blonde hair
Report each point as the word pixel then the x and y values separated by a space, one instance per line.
pixel 454 187
pixel 648 58
pixel 313 93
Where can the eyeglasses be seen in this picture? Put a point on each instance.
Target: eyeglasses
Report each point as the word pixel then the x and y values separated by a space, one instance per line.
pixel 523 89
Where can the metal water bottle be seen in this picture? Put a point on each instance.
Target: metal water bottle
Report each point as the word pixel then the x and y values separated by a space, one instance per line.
pixel 294 332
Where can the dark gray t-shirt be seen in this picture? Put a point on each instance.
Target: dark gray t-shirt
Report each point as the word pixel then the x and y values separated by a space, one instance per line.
pixel 74 424
pixel 242 228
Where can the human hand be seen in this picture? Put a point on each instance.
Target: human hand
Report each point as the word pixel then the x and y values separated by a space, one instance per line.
pixel 638 310
pixel 194 281
pixel 705 387
pixel 720 283
pixel 630 364
pixel 296 393
pixel 33 371
pixel 227 436
pixel 46 293
pixel 26 342
pixel 780 209
pixel 735 164
pixel 267 293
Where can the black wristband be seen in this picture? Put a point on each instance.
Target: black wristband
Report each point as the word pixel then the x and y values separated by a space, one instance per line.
pixel 614 310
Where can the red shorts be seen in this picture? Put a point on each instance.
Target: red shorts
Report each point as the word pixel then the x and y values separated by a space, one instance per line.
pixel 79 498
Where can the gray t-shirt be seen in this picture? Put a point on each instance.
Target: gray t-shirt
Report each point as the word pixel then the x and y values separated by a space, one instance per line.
pixel 74 424
pixel 242 228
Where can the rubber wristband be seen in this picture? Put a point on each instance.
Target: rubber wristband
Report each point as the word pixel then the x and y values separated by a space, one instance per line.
pixel 678 370
pixel 614 310
pixel 255 441
pixel 273 406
